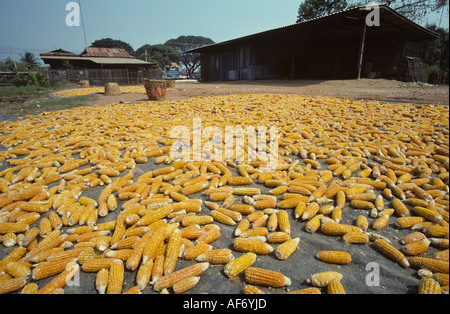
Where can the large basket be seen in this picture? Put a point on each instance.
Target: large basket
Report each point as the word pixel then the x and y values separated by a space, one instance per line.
pixel 156 89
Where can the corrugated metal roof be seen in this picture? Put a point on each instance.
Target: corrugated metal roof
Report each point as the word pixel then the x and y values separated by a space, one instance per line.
pixel 59 52
pixel 105 53
pixel 123 61
pixel 341 23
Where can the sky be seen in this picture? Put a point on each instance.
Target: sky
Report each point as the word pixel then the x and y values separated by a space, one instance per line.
pixel 40 25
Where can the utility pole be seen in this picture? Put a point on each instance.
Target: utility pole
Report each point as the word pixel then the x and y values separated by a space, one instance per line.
pixel 13 59
pixel 82 24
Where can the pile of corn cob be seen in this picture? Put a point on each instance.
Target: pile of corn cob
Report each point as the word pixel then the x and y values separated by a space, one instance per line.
pixel 96 190
pixel 76 92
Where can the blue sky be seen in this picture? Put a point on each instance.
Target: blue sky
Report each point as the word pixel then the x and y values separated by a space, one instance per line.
pixel 39 25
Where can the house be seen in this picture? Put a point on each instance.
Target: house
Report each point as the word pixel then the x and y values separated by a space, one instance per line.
pixel 98 65
pixel 336 46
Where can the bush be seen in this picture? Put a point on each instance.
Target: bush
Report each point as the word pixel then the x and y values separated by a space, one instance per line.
pixel 31 78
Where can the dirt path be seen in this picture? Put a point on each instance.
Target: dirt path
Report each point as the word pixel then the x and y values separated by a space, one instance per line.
pixel 362 89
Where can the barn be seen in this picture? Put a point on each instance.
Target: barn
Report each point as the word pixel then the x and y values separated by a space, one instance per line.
pixel 98 65
pixel 337 46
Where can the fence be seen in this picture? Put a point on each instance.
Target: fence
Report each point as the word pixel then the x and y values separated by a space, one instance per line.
pixel 99 77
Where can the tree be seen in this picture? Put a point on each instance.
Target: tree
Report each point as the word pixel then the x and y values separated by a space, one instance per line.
pixel 164 55
pixel 191 61
pixel 415 10
pixel 113 43
pixel 29 60
pixel 143 52
pixel 436 52
pixel 310 9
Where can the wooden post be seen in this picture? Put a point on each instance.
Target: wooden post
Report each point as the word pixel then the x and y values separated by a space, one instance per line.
pixel 361 50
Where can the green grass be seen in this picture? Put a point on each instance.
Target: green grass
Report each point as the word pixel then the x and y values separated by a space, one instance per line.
pixel 22 90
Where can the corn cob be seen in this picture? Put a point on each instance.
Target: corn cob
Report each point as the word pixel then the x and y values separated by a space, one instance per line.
pixel 216 257
pixel 237 266
pixel 355 238
pixel 250 289
pixel 169 280
pixel 335 287
pixel 47 269
pixel 102 280
pixel 429 286
pixel 416 247
pixel 434 265
pixel 255 232
pixel 283 251
pixel 61 280
pixel 172 252
pixel 428 214
pixel 264 277
pixel 185 284
pixel 12 285
pixel 391 252
pixel 413 237
pixel 381 222
pixel 246 191
pixel 31 288
pixel 144 275
pixel 335 257
pixel 334 229
pixel 323 279
pixel 283 221
pixel 407 222
pixel 436 231
pixel 116 277
pixel 248 245
pixel 18 269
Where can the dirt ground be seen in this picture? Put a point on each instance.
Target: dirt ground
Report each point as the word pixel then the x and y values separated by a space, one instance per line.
pixel 360 89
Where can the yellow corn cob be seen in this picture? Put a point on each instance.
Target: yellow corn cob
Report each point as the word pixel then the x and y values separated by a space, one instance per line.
pixel 416 247
pixel 96 264
pixel 300 209
pixel 196 220
pixel 381 222
pixel 222 218
pixel 283 221
pixel 279 190
pixel 250 289
pixel 283 251
pixel 391 252
pixel 237 266
pixel 7 227
pixel 172 252
pixel 47 269
pixel 434 265
pixel 9 240
pixel 246 191
pixel 169 280
pixel 255 232
pixel 278 237
pixel 429 286
pixel 335 287
pixel 233 181
pixel 144 275
pixel 436 231
pixel 264 277
pixel 362 205
pixel 407 222
pixel 265 203
pixel 335 257
pixel 242 227
pixel 116 277
pixel 192 189
pixel 185 284
pixel 18 269
pixel 216 257
pixel 155 216
pixel 428 214
pixel 196 250
pixel 332 190
pixel 311 210
pixel 291 202
pixel 31 288
pixel 335 229
pixel 102 280
pixel 400 208
pixel 61 280
pixel 323 279
pixel 254 246
pixel 340 199
pixel 314 224
pixel 413 237
pixel 355 238
pixel 12 285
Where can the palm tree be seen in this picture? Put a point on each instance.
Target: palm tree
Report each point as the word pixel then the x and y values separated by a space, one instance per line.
pixel 29 60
